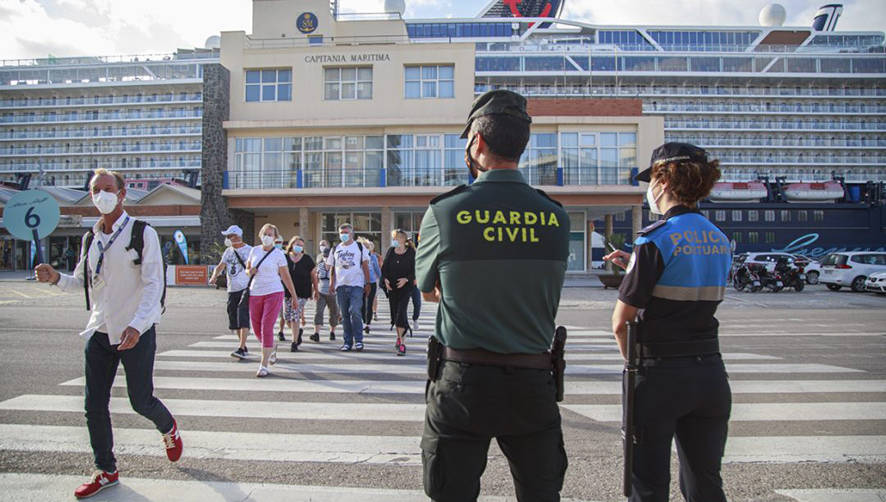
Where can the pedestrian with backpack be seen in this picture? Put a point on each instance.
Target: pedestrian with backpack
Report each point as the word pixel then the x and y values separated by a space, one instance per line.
pixel 121 271
pixel 349 267
pixel 323 296
pixel 267 268
pixel 233 262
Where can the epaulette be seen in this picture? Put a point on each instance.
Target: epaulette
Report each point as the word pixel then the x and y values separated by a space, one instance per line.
pixel 546 196
pixel 456 190
pixel 647 230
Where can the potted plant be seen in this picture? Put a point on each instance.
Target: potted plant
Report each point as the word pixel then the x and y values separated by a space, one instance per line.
pixel 613 275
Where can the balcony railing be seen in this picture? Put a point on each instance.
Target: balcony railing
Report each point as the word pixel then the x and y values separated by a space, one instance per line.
pixel 394 177
pixel 116 165
pixel 680 91
pixel 103 133
pixel 99 117
pixel 119 149
pixel 759 125
pixel 100 100
pixel 760 108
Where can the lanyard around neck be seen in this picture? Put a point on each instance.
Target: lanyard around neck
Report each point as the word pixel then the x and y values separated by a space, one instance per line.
pixel 102 249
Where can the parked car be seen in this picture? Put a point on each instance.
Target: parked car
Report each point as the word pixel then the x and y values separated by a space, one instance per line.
pixel 810 266
pixel 876 283
pixel 851 269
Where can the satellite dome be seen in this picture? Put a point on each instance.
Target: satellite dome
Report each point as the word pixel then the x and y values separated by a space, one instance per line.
pixel 398 6
pixel 213 42
pixel 772 15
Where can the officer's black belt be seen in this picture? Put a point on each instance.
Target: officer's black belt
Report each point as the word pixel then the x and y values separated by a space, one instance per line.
pixel 679 349
pixel 486 358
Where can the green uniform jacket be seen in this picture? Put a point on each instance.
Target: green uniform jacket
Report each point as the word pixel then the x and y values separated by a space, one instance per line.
pixel 499 250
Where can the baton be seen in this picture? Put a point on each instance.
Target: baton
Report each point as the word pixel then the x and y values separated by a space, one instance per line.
pixel 629 379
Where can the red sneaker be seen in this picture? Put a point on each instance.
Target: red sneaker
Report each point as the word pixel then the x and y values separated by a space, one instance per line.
pixel 173 442
pixel 100 481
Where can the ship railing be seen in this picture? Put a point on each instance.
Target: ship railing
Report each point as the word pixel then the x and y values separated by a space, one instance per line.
pixel 101 117
pixel 612 90
pixel 104 163
pixel 321 41
pixel 108 149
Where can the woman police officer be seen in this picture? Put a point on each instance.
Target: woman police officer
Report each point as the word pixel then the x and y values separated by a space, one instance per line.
pixel 676 278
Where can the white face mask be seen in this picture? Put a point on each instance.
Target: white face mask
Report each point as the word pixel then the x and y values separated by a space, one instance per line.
pixel 653 200
pixel 267 240
pixel 105 202
pixel 228 243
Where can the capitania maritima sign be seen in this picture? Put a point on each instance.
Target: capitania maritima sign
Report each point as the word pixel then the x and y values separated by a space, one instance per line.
pixel 347 58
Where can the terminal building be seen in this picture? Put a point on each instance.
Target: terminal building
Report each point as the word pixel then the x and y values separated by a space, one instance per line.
pixel 316 117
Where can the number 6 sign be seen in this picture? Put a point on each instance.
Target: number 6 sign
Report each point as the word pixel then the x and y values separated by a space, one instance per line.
pixel 31 214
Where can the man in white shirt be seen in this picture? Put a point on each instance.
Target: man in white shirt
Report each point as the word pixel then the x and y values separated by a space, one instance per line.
pixel 126 291
pixel 349 264
pixel 233 262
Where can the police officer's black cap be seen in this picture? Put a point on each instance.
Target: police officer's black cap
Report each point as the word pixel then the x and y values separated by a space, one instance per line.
pixel 498 102
pixel 673 152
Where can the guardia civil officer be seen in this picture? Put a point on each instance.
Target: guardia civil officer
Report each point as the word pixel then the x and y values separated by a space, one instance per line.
pixel 675 280
pixel 493 254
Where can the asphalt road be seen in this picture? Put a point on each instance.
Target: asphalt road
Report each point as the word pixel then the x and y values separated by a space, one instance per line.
pixel 807 370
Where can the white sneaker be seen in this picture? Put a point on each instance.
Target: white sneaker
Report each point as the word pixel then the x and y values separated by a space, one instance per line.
pixel 262 372
pixel 273 358
pixel 415 325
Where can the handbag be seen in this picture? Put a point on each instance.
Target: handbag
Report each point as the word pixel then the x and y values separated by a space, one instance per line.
pixel 244 298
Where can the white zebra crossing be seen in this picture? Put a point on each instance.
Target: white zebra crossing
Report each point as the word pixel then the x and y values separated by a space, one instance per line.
pixel 318 369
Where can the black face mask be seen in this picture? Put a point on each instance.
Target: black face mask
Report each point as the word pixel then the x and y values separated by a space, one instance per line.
pixel 473 167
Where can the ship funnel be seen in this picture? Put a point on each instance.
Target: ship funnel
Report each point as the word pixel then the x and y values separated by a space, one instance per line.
pixel 826 17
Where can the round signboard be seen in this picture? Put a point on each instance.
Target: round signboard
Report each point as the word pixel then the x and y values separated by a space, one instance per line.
pixel 306 22
pixel 28 211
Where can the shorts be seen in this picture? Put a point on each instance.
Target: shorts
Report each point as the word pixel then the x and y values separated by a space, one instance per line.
pixel 238 315
pixel 293 314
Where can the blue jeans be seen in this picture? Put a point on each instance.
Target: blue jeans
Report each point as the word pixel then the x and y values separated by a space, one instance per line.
pixel 350 303
pixel 102 359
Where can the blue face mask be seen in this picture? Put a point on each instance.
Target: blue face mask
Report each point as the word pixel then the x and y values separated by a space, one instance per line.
pixel 345 237
pixel 395 243
pixel 278 245
pixel 298 249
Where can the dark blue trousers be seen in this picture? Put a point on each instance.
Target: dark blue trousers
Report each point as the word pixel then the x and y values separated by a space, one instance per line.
pixel 687 398
pixel 102 360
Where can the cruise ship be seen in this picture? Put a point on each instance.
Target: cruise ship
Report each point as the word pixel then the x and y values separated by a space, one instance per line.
pixel 319 116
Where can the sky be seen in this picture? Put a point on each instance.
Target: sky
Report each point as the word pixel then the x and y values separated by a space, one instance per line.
pixel 38 28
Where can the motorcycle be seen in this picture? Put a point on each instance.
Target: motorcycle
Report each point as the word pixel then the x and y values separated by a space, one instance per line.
pixel 745 277
pixel 769 277
pixel 791 274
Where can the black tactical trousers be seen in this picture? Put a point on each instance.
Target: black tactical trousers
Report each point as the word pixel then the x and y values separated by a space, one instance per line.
pixel 470 404
pixel 686 397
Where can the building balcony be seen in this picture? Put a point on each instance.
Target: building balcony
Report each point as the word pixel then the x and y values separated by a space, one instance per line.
pixel 755 125
pixel 681 92
pixel 756 109
pixel 107 164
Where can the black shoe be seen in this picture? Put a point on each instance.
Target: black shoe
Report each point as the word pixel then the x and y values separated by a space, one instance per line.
pixel 315 337
pixel 246 350
pixel 239 354
pixel 293 347
pixel 332 335
pixel 366 329
pixel 281 337
pixel 298 341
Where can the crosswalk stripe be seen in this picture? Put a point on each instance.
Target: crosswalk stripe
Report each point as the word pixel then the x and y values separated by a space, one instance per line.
pixel 832 494
pixel 782 449
pixel 57 488
pixel 408 367
pixel 749 412
pixel 240 409
pixel 252 446
pixel 417 386
pixel 375 356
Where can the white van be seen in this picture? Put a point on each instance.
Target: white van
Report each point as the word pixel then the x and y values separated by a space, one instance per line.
pixel 851 268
